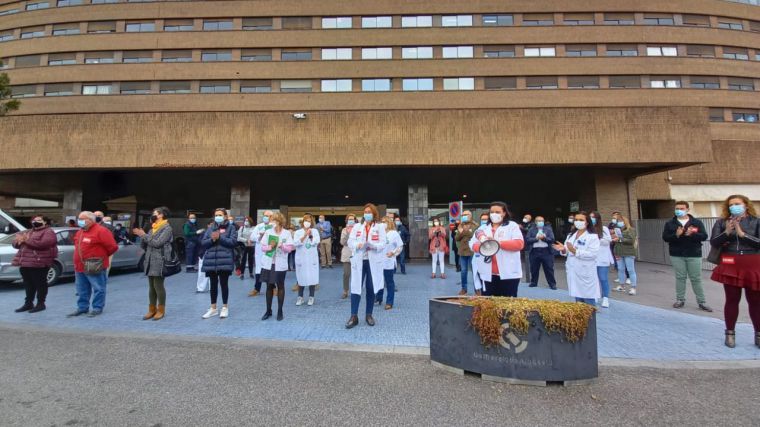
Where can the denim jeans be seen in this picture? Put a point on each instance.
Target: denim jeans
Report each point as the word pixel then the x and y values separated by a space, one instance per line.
pixel 390 284
pixel 604 280
pixel 465 261
pixel 356 299
pixel 627 263
pixel 589 301
pixel 401 260
pixel 91 284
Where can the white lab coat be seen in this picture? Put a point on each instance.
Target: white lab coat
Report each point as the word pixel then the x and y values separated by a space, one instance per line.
pixel 280 256
pixel 307 257
pixel 258 233
pixel 604 258
pixel 477 260
pixel 510 265
pixel 373 248
pixel 395 245
pixel 582 280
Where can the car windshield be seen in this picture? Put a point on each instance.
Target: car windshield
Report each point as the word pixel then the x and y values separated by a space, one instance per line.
pixel 7 240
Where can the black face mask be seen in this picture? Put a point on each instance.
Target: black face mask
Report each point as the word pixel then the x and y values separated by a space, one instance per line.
pixel 37 224
pixel 98 219
pixel 153 218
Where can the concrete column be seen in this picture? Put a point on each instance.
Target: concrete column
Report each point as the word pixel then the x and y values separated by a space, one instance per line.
pixel 418 220
pixel 240 200
pixel 72 203
pixel 615 192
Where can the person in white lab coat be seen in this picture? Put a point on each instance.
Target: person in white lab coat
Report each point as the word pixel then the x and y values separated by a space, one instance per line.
pixel 604 259
pixel 503 271
pixel 258 233
pixel 581 249
pixel 477 261
pixel 393 247
pixel 306 241
pixel 367 243
pixel 276 244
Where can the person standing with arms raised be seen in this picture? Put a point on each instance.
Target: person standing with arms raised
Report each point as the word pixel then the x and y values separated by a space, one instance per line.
pixel 367 243
pixel 503 271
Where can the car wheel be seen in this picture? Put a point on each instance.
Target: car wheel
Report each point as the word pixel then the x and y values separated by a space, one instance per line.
pixel 54 273
pixel 141 263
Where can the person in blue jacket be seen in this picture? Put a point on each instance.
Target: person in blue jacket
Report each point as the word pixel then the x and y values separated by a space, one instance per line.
pixel 219 243
pixel 539 240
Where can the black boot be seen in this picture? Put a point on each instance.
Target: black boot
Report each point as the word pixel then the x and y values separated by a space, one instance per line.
pixel 757 339
pixel 266 315
pixel 353 321
pixel 39 307
pixel 730 339
pixel 26 307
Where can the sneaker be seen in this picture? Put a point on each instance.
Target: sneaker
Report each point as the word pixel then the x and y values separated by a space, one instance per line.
pixel 299 301
pixel 311 301
pixel 76 313
pixel 619 288
pixel 616 280
pixel 225 313
pixel 627 281
pixel 678 304
pixel 632 291
pixel 253 293
pixel 702 306
pixel 210 313
pixel 94 313
pixel 605 302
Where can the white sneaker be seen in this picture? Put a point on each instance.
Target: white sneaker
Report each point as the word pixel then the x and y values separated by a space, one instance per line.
pixel 616 280
pixel 311 301
pixel 627 281
pixel 632 291
pixel 210 313
pixel 619 288
pixel 605 302
pixel 299 301
pixel 225 313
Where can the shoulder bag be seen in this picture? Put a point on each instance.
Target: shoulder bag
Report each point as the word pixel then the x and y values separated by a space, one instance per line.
pixel 91 265
pixel 172 264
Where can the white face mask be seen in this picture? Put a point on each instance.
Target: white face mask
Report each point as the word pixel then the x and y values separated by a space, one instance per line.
pixel 306 224
pixel 580 225
pixel 274 224
pixel 247 224
pixel 495 218
pixel 526 220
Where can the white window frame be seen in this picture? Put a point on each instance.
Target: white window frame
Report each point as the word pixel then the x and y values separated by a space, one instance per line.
pixel 459 83
pixel 535 52
pixel 337 54
pixel 413 85
pixel 662 51
pixel 417 21
pixel 374 83
pixel 375 22
pixel 450 52
pixel 337 22
pixel 372 53
pixel 456 21
pixel 336 85
pixel 98 89
pixel 417 52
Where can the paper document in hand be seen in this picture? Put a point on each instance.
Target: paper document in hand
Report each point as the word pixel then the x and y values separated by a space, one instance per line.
pixel 273 243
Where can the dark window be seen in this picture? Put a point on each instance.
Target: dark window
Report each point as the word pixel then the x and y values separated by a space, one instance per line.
pixel 625 82
pixel 296 55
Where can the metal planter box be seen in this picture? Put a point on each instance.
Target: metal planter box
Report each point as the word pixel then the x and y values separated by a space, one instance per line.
pixel 537 359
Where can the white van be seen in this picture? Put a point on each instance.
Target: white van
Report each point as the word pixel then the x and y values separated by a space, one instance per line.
pixel 8 225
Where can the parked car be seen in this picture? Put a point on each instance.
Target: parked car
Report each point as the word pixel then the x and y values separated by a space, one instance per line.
pixel 8 225
pixel 129 256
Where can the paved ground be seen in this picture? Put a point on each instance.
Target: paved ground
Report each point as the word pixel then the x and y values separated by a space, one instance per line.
pixel 628 329
pixel 80 379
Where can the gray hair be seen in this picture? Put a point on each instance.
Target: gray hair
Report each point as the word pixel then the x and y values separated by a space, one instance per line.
pixel 88 214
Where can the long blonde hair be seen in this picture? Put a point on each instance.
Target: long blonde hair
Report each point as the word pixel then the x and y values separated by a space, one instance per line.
pixel 725 213
pixel 280 218
pixel 625 221
pixel 389 224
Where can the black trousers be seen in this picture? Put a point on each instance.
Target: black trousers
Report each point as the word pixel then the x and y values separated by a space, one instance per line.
pixel 542 257
pixel 35 283
pixel 247 257
pixel 219 278
pixel 501 288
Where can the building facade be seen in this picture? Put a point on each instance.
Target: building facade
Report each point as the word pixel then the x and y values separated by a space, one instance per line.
pixel 322 106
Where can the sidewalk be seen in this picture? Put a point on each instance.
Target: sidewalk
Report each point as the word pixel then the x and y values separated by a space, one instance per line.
pixel 628 329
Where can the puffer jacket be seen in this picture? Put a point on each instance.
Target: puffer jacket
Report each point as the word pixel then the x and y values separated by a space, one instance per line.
pixel 157 248
pixel 626 246
pixel 39 250
pixel 733 243
pixel 219 255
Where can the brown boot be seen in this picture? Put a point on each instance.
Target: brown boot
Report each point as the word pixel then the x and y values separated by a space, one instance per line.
pixel 345 295
pixel 160 313
pixel 478 292
pixel 730 338
pixel 151 312
pixel 253 293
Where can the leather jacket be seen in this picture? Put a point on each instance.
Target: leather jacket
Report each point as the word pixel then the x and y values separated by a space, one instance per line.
pixel 733 243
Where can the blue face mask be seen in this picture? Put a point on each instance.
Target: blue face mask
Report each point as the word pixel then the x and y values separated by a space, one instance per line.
pixel 620 224
pixel 351 222
pixel 81 223
pixel 593 220
pixel 539 224
pixel 368 217
pixel 398 223
pixel 680 212
pixel 483 221
pixel 219 219
pixel 192 220
pixel 736 210
pixel 465 218
pixel 265 219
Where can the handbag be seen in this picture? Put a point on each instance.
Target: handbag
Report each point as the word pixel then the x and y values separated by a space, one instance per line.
pixel 172 265
pixel 91 265
pixel 714 255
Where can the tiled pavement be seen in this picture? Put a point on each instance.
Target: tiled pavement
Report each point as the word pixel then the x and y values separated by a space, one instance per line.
pixel 625 330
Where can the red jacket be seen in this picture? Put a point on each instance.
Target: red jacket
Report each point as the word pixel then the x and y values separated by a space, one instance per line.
pixel 39 250
pixel 97 242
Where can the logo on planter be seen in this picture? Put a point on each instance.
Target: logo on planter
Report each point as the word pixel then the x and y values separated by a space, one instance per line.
pixel 510 341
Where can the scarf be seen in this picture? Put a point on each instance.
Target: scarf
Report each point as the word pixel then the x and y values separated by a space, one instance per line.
pixel 158 224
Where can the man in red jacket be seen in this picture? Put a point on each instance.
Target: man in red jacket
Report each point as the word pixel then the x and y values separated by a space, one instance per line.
pixel 92 242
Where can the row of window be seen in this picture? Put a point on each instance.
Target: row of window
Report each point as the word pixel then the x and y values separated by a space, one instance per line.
pixel 417 21
pixel 388 85
pixel 380 53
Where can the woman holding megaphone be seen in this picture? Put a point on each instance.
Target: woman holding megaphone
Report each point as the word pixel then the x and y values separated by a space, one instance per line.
pixel 499 241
